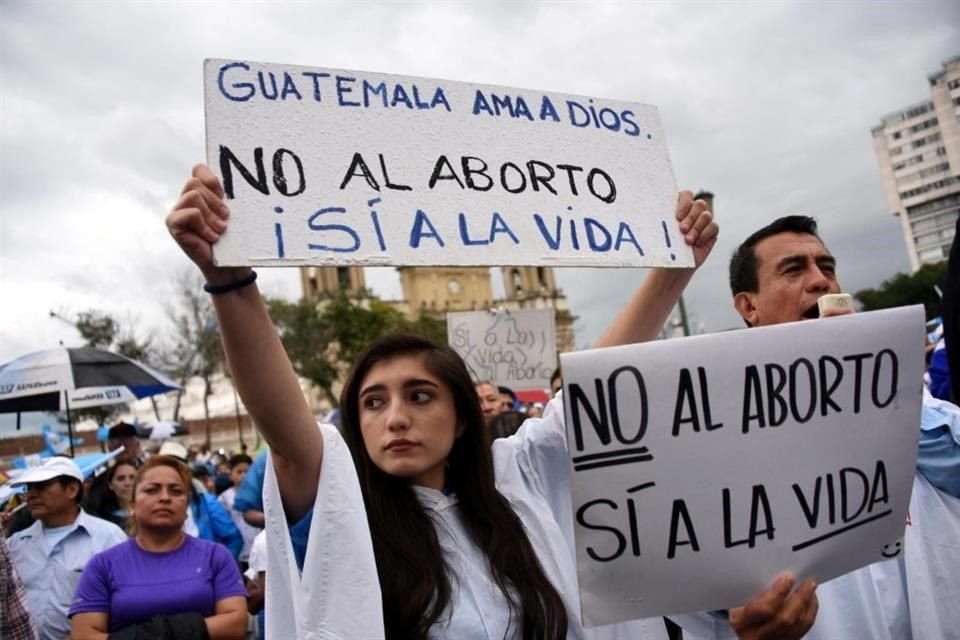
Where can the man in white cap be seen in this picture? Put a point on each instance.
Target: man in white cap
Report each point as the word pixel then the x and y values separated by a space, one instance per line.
pixel 51 554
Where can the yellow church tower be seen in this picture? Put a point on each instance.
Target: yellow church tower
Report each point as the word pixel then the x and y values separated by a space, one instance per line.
pixel 437 290
pixel 318 283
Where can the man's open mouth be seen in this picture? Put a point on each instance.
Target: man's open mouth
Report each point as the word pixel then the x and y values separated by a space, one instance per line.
pixel 813 312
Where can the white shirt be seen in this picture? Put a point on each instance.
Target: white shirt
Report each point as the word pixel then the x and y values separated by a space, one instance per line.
pixel 338 595
pixel 258 556
pixel 248 531
pixel 932 562
pixel 50 575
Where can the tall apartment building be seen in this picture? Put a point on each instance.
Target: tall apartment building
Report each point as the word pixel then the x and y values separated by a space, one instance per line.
pixel 918 149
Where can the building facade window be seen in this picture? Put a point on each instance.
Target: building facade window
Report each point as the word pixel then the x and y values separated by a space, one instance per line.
pixel 939 184
pixel 920 226
pixel 932 226
pixel 919 142
pixel 946 203
pixel 926 124
pixel 927 239
pixel 935 254
pixel 918 111
pixel 948 219
pixel 923 173
pixel 517 281
pixel 343 277
pixel 922 157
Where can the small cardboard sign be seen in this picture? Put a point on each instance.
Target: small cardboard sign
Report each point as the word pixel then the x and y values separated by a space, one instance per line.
pixel 511 348
pixel 328 166
pixel 705 466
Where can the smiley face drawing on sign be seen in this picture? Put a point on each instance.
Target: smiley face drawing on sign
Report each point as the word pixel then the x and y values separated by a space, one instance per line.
pixel 893 549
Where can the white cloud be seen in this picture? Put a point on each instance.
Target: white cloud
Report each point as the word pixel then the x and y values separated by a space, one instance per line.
pixel 769 105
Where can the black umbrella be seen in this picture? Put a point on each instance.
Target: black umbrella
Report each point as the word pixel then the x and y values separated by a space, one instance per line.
pixel 46 380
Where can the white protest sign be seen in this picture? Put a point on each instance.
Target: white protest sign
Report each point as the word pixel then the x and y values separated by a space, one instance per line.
pixel 705 466
pixel 512 348
pixel 327 166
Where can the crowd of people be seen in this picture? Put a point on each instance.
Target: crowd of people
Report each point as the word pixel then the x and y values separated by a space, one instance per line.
pixel 437 508
pixel 148 546
pixel 503 412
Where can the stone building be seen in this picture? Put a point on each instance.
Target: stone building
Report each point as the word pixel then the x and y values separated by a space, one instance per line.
pixel 437 290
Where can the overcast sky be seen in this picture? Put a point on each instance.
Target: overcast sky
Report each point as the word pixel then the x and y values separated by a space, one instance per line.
pixel 768 105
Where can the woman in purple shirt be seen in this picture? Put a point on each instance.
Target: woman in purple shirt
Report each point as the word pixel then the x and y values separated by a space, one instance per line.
pixel 161 578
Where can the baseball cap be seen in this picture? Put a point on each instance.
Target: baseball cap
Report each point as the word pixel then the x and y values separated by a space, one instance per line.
pixel 122 429
pixel 51 468
pixel 175 449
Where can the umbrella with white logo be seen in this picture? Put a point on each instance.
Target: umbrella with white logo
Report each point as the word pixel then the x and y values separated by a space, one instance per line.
pixel 51 380
pixel 97 397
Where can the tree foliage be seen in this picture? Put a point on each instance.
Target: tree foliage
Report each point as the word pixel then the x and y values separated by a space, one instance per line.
pixel 101 330
pixel 98 329
pixel 324 340
pixel 307 341
pixel 195 349
pixel 903 289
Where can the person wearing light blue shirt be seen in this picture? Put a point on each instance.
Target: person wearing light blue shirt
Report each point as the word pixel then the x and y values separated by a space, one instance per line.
pixel 938 458
pixel 51 554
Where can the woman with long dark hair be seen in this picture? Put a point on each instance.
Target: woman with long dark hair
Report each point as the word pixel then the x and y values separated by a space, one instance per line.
pixel 409 410
pixel 112 493
pixel 413 527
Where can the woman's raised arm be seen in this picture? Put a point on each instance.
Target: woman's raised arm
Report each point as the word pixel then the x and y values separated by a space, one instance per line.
pixel 258 363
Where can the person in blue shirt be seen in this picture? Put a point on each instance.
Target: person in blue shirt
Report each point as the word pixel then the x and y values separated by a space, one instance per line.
pixel 213 522
pixel 938 369
pixel 249 497
pixel 951 317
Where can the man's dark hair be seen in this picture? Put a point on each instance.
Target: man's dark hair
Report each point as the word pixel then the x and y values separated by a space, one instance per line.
pixel 510 392
pixel 239 458
pixel 743 263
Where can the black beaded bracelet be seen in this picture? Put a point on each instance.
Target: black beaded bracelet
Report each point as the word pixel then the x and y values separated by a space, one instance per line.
pixel 217 289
